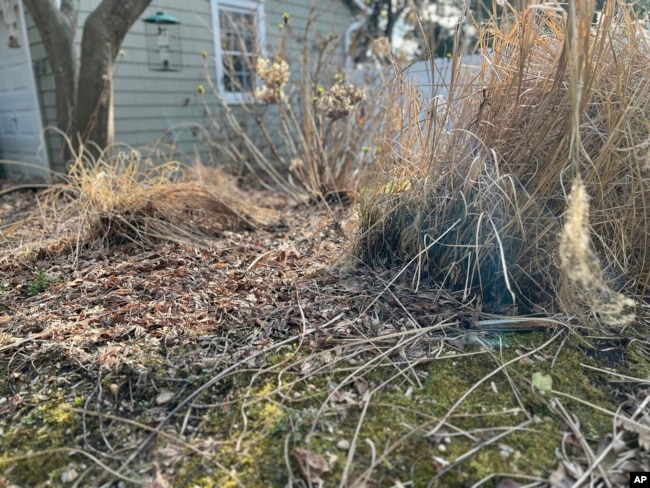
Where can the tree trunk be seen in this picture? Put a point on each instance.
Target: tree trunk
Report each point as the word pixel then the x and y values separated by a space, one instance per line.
pixel 57 29
pixel 103 33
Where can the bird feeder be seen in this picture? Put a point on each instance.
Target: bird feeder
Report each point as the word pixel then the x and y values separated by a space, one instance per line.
pixel 8 10
pixel 163 36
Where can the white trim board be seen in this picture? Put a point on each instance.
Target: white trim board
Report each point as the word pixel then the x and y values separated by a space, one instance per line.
pixel 25 140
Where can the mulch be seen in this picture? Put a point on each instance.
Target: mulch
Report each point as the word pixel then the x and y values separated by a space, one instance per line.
pixel 264 283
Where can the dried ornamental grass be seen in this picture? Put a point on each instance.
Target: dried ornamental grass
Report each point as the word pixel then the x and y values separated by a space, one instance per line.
pixel 115 202
pixel 474 193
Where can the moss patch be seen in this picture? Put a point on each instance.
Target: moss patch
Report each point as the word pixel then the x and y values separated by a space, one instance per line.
pixel 259 415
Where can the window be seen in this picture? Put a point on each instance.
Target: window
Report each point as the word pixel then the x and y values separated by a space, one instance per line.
pixel 239 35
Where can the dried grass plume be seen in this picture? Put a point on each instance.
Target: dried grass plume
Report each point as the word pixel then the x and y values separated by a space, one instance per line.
pixel 581 265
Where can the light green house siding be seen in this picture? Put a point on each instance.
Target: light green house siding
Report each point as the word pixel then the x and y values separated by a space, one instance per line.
pixel 162 109
pixel 150 106
pixel 323 18
pixel 44 86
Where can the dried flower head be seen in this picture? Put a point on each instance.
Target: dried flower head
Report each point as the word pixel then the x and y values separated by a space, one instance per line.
pixel 380 47
pixel 339 100
pixel 297 164
pixel 268 95
pixel 274 75
pixel 348 93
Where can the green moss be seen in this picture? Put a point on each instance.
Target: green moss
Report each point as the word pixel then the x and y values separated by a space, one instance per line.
pixel 60 415
pixel 46 422
pixel 636 365
pixel 205 482
pixel 260 415
pixel 489 407
pixel 48 425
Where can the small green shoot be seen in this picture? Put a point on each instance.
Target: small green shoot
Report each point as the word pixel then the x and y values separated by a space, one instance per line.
pixel 39 284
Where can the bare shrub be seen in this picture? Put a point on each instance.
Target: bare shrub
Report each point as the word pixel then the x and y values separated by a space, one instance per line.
pixel 315 125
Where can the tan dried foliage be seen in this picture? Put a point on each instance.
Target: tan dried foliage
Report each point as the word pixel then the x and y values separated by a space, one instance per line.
pixel 471 190
pixel 582 266
pixel 312 465
pixel 127 200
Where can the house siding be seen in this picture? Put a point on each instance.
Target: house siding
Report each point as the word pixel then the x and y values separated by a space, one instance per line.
pixel 327 18
pixel 45 89
pixel 150 105
pixel 153 107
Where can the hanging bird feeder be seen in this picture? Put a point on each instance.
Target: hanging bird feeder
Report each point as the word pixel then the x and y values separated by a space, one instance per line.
pixel 163 36
pixel 8 11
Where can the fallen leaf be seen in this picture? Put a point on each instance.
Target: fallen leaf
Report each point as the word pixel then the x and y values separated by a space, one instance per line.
pixel 359 481
pixel 312 465
pixel 306 366
pixel 14 403
pixel 361 385
pixel 170 455
pixel 69 475
pixel 559 478
pixel 641 428
pixel 164 397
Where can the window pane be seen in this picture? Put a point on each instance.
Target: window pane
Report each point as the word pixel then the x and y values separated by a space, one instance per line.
pixel 238 41
pixel 238 74
pixel 237 31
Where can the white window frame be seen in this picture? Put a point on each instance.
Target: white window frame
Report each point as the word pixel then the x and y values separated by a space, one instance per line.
pixel 247 6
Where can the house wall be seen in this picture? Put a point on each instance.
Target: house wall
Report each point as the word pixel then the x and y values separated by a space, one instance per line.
pixel 151 107
pixel 45 87
pixel 309 21
pixel 162 109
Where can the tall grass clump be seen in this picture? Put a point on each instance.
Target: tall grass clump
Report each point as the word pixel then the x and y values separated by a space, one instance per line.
pixel 316 126
pixel 128 199
pixel 473 193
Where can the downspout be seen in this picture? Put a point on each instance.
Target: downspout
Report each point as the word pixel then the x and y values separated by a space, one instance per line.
pixel 354 26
